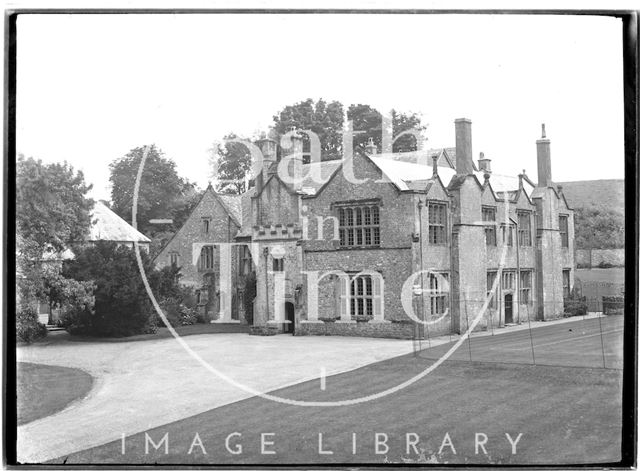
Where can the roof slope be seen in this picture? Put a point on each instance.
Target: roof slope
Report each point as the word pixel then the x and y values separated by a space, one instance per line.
pixel 109 226
pixel 410 176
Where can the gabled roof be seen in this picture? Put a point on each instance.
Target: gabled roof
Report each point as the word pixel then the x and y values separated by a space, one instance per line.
pixel 446 157
pixel 408 176
pixel 232 205
pixel 538 192
pixel 311 186
pixel 502 183
pixel 109 226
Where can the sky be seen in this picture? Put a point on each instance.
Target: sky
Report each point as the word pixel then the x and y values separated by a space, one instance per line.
pixel 92 87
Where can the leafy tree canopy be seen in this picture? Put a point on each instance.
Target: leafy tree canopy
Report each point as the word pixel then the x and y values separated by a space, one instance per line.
pixel 163 194
pixel 233 162
pixel 326 120
pixel 599 228
pixel 52 207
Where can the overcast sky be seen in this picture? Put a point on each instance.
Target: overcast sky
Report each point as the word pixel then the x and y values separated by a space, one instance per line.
pixel 91 87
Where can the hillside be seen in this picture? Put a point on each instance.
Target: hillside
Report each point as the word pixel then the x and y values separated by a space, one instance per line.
pixel 607 194
pixel 599 212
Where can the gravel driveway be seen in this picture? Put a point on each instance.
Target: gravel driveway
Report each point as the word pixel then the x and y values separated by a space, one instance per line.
pixel 140 385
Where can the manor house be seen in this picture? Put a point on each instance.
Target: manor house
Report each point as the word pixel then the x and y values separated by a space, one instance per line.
pixel 380 244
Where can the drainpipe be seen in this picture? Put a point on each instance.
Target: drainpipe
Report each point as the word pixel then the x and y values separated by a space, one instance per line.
pixel 517 268
pixel 422 308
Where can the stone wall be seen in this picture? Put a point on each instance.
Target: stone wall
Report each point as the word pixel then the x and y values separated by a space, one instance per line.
pixel 396 330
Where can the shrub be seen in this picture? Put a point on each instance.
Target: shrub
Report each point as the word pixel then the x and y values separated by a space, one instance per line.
pixel 181 308
pixel 28 328
pixel 122 307
pixel 575 306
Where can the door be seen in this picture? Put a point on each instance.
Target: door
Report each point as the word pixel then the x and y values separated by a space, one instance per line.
pixel 212 307
pixel 508 308
pixel 289 314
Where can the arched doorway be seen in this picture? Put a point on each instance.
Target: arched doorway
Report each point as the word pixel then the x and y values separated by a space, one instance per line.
pixel 289 314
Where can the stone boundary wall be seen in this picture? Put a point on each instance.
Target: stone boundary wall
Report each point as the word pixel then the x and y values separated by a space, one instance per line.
pixel 396 330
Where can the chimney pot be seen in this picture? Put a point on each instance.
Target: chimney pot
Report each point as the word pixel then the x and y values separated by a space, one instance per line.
pixel 435 165
pixel 484 164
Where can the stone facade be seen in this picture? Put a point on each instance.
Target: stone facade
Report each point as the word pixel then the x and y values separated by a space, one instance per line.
pixel 380 246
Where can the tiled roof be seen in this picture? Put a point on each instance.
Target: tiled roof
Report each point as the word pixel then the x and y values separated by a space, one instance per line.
pixel 423 157
pixel 502 183
pixel 409 176
pixel 109 226
pixel 413 176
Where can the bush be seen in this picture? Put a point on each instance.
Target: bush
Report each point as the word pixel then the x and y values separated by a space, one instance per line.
pixel 28 328
pixel 177 313
pixel 181 308
pixel 575 306
pixel 122 307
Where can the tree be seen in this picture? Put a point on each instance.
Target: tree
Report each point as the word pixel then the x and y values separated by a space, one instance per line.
pixel 598 228
pixel 162 194
pixel 53 212
pixel 122 306
pixel 324 119
pixel 327 121
pixel 368 123
pixel 233 162
pixel 52 207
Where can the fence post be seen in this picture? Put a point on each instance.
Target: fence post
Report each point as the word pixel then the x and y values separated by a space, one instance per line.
pixel 602 341
pixel 464 300
pixel 533 355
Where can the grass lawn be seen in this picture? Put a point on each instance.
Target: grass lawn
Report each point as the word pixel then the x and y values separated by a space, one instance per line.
pixel 565 415
pixel 44 390
pixel 601 275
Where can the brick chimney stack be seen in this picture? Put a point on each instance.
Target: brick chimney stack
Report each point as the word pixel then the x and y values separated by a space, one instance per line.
pixel 292 148
pixel 269 160
pixel 464 154
pixel 544 160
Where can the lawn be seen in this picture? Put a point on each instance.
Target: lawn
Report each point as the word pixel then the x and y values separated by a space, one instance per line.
pixel 43 390
pixel 601 275
pixel 566 414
